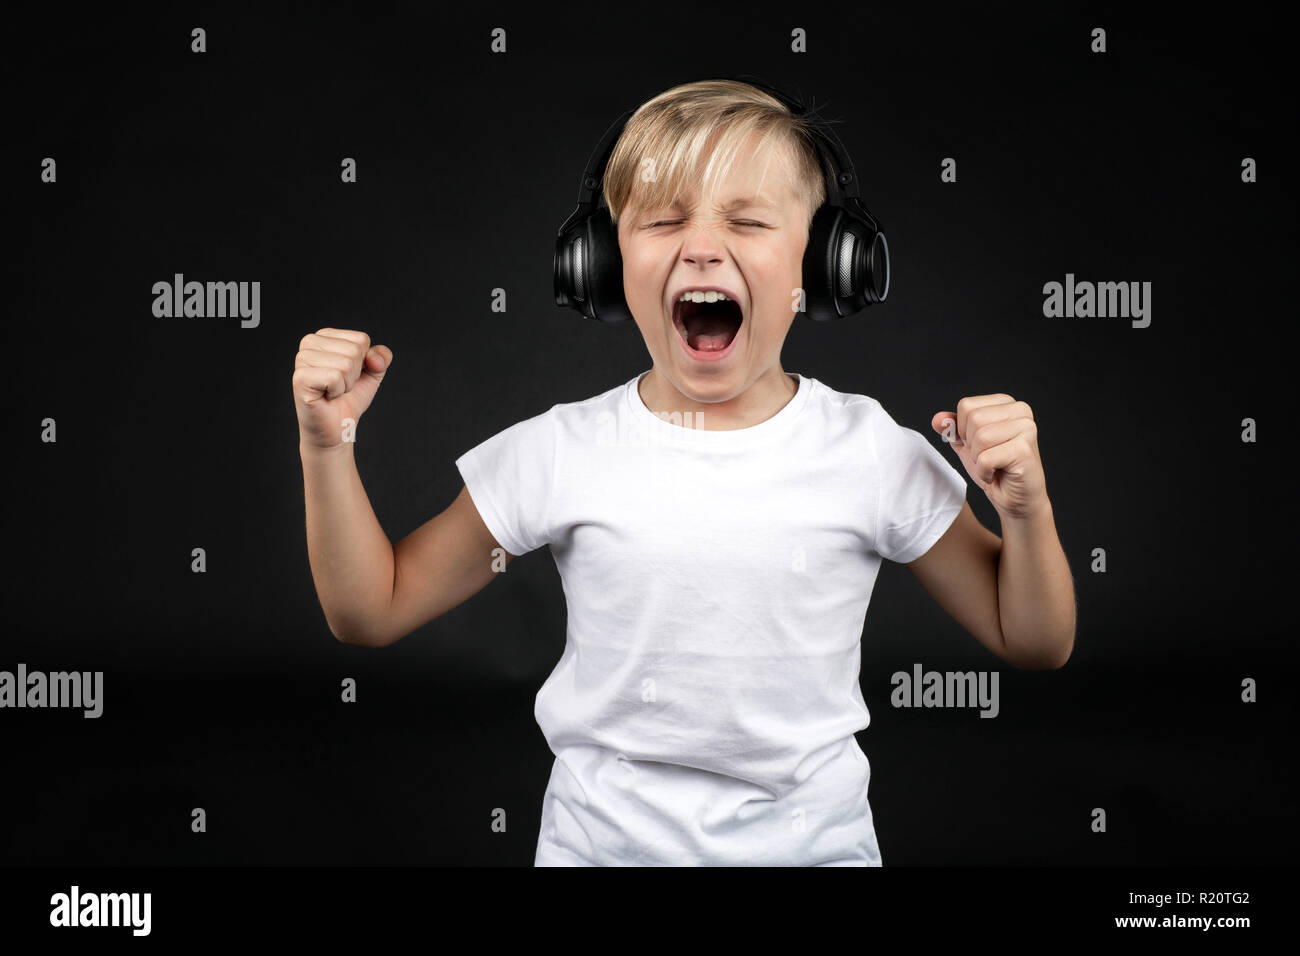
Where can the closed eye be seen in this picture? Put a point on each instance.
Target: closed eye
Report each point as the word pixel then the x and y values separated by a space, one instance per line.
pixel 738 222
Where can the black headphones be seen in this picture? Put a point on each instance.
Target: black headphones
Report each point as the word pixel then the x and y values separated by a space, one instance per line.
pixel 845 267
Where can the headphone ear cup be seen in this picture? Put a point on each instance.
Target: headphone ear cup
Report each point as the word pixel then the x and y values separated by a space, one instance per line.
pixel 567 293
pixel 846 265
pixel 878 265
pixel 604 269
pixel 572 270
pixel 819 275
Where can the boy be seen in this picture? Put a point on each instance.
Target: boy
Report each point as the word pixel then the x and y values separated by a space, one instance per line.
pixel 718 523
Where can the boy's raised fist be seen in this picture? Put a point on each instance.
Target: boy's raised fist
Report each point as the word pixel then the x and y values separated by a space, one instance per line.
pixel 335 376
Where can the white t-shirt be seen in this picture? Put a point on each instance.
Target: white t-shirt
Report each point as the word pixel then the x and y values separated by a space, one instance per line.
pixel 703 709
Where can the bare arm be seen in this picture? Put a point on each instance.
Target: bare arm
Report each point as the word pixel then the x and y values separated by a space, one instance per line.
pixel 351 557
pixel 371 592
pixel 1014 594
pixel 960 571
pixel 440 565
pixel 1036 592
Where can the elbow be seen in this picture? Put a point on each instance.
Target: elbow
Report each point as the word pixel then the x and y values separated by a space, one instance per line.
pixel 1057 662
pixel 342 638
pixel 1047 659
pixel 355 640
pixel 340 635
pixel 1065 646
pixel 356 637
pixel 1044 652
pixel 1064 657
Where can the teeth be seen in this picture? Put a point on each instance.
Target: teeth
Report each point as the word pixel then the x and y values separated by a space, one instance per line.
pixel 696 296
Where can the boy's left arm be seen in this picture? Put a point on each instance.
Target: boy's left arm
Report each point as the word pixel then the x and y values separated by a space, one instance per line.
pixel 1014 593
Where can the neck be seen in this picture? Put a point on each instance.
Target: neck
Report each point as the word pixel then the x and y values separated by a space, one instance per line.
pixel 756 403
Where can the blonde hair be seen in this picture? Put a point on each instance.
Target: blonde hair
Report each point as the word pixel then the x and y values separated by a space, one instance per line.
pixel 669 135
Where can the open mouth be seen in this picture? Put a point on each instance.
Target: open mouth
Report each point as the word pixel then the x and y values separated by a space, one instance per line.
pixel 707 326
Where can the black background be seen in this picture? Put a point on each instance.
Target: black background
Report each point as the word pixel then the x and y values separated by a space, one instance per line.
pixel 221 690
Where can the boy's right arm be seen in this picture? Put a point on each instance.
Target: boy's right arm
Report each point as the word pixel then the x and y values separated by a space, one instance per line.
pixel 372 593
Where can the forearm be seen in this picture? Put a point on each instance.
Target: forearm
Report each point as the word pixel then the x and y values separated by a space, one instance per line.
pixel 1035 592
pixel 351 557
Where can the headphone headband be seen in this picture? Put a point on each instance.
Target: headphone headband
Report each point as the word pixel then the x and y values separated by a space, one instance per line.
pixel 846 179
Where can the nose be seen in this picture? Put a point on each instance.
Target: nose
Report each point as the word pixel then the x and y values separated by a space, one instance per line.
pixel 703 246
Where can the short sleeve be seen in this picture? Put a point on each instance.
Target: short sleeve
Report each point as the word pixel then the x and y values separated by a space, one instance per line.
pixel 510 477
pixel 919 492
